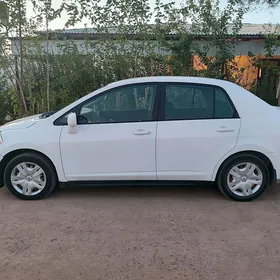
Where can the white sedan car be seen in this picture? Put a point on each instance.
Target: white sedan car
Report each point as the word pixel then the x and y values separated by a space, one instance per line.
pixel 147 130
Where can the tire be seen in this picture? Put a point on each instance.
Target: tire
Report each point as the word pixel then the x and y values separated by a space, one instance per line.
pixel 23 185
pixel 251 186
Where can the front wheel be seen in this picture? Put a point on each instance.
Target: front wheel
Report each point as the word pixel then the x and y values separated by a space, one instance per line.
pixel 30 176
pixel 243 178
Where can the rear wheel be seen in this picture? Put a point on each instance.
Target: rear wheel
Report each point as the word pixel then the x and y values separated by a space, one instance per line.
pixel 30 176
pixel 243 178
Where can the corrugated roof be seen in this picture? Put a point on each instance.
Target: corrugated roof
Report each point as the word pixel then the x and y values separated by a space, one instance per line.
pixel 256 29
pixel 247 29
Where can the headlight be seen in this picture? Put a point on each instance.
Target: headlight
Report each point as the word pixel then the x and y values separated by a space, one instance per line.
pixel 1 139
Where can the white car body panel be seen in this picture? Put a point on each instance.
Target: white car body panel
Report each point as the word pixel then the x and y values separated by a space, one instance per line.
pixel 109 152
pixel 113 152
pixel 189 149
pixel 42 136
pixel 20 123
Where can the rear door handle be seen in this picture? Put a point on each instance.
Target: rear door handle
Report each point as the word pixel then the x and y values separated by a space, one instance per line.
pixel 142 132
pixel 224 129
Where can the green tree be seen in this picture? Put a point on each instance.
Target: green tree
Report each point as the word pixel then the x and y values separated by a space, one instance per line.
pixel 6 108
pixel 16 25
pixel 258 3
pixel 202 29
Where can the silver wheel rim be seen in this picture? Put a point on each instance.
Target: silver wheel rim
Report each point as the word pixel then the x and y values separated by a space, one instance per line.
pixel 28 178
pixel 244 179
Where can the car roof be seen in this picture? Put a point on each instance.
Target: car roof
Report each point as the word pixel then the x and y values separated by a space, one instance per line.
pixel 198 80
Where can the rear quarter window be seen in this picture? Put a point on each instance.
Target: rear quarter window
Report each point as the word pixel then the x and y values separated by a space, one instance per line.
pixel 223 106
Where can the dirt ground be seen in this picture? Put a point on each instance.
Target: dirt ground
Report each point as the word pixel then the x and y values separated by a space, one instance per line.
pixel 140 233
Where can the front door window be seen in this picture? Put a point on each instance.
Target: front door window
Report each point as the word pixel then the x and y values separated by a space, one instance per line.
pixel 126 104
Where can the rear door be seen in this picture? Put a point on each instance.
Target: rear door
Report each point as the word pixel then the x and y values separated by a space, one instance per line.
pixel 198 126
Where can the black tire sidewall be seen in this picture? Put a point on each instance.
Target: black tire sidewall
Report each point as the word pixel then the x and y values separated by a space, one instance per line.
pixel 43 163
pixel 222 177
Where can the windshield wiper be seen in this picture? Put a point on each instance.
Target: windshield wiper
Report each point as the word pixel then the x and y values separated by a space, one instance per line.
pixel 46 114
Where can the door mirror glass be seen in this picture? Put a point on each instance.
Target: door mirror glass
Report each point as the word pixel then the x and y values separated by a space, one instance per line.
pixel 72 123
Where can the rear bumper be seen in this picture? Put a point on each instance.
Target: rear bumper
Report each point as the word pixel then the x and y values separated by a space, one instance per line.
pixel 275 160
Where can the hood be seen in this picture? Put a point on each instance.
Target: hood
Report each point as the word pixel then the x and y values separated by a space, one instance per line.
pixel 20 123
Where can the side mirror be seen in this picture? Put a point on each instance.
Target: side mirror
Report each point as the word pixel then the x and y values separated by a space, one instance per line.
pixel 72 123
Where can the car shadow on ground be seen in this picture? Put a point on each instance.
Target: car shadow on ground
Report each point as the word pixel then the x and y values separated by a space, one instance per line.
pixel 190 192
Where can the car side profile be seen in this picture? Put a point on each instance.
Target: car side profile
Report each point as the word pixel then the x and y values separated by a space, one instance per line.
pixel 147 130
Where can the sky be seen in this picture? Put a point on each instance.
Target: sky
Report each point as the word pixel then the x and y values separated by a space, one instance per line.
pixel 261 15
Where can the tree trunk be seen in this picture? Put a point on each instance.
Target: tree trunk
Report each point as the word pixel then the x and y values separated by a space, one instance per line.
pixel 23 108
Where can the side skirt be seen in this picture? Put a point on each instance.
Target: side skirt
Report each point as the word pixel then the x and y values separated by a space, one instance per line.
pixel 132 183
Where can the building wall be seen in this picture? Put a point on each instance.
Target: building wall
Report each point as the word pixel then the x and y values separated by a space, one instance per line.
pixel 245 74
pixel 255 47
pixel 56 47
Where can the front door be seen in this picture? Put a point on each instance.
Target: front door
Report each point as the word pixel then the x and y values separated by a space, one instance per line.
pixel 115 139
pixel 199 126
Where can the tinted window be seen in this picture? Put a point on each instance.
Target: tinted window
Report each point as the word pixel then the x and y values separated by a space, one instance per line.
pixel 186 102
pixel 62 120
pixel 126 104
pixel 223 107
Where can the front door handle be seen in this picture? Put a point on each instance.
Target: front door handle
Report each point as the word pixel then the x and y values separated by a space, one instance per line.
pixel 225 129
pixel 142 132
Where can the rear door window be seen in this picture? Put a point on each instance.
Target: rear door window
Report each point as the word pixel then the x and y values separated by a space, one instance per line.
pixel 190 101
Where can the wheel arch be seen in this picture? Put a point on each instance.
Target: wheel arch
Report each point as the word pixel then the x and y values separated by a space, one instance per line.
pixel 9 156
pixel 263 157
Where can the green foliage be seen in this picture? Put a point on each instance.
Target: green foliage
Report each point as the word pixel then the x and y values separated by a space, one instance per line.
pixel 208 21
pixel 267 86
pixel 5 101
pixel 259 3
pixel 72 74
pixel 271 40
pixel 137 41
